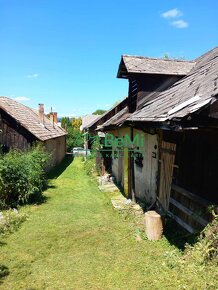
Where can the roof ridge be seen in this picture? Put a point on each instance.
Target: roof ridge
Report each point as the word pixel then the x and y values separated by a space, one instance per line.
pixel 206 53
pixel 156 58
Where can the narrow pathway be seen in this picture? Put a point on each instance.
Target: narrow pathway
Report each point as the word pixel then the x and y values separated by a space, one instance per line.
pixel 75 240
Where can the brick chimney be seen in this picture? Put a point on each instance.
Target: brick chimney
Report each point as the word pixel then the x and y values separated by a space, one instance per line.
pixel 55 116
pixel 41 113
pixel 51 117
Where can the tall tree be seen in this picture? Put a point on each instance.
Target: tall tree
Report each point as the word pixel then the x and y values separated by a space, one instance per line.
pixel 65 123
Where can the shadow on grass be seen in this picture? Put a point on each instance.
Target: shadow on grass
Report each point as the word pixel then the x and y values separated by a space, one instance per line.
pixel 4 271
pixel 53 174
pixel 39 199
pixel 58 170
pixel 2 243
pixel 177 236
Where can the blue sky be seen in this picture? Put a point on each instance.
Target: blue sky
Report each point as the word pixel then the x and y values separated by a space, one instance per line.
pixel 65 54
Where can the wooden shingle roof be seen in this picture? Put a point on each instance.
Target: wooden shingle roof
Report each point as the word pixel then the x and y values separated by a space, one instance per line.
pixel 88 120
pixel 107 115
pixel 194 91
pixel 117 119
pixel 29 119
pixel 145 65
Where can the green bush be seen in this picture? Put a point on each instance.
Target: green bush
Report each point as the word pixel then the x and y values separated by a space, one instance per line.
pixel 22 176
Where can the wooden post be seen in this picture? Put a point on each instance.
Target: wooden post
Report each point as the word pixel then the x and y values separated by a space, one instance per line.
pixel 153 225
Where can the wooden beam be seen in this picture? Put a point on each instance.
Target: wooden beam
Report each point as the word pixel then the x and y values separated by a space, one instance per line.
pixel 191 195
pixel 189 212
pixel 182 223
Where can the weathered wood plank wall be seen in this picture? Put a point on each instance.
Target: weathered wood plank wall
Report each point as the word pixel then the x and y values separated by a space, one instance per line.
pixel 194 184
pixel 168 151
pixel 11 138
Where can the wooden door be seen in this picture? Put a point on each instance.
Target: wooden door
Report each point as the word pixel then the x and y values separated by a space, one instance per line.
pixel 168 151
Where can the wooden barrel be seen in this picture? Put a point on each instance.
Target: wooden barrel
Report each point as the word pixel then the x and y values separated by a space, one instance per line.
pixel 153 225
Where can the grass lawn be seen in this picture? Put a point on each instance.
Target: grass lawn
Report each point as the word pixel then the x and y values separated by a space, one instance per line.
pixel 76 240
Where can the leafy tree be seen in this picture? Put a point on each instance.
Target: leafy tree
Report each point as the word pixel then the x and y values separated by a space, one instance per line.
pixel 99 112
pixel 65 122
pixel 74 138
pixel 76 123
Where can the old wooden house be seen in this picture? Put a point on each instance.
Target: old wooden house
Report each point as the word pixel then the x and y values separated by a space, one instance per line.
pixel 185 118
pixel 147 78
pixel 22 126
pixel 173 105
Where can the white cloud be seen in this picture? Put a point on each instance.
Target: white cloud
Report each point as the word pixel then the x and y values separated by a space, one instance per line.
pixel 180 24
pixel 107 105
pixel 22 98
pixel 173 13
pixel 33 76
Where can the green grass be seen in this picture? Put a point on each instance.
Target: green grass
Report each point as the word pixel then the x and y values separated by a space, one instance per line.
pixel 75 240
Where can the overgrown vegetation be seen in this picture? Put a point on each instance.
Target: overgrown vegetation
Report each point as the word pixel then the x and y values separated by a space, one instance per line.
pixel 205 251
pixel 22 176
pixel 90 165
